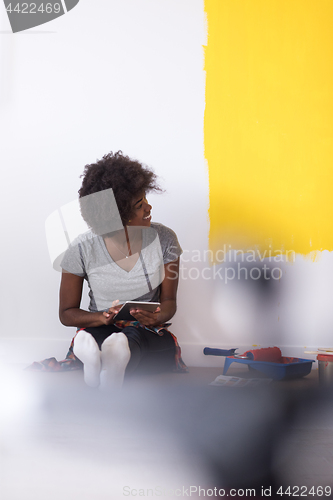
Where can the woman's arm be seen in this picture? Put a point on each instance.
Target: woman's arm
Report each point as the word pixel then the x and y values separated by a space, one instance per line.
pixel 168 298
pixel 70 313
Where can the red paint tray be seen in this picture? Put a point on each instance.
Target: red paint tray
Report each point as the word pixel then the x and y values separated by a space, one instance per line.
pixel 281 368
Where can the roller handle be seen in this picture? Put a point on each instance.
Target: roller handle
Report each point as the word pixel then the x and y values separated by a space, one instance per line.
pixel 218 352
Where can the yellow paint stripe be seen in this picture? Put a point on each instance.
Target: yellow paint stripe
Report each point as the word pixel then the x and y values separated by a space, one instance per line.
pixel 269 123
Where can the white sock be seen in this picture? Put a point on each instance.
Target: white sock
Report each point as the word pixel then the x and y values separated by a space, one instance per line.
pixel 115 357
pixel 86 349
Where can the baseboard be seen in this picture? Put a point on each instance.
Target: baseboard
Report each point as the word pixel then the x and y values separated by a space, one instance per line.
pixel 27 350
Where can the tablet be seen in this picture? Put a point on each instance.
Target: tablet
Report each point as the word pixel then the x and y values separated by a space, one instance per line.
pixel 124 312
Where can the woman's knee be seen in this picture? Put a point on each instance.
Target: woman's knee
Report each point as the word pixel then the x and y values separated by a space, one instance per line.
pixel 134 335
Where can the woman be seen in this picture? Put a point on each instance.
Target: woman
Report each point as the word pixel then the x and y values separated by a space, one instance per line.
pixel 123 257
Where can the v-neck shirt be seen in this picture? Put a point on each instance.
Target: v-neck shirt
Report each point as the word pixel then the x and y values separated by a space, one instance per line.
pixel 88 257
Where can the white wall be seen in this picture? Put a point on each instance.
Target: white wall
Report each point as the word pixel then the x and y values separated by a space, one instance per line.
pixel 126 74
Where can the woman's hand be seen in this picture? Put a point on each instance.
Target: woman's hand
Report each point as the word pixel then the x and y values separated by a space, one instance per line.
pixel 167 298
pixel 69 307
pixel 148 318
pixel 108 316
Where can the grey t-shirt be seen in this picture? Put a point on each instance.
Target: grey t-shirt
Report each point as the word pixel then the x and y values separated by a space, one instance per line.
pixel 88 257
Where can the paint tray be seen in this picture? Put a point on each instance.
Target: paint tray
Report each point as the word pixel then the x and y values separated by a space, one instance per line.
pixel 286 369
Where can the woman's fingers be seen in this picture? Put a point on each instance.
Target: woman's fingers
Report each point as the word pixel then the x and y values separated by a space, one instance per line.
pixel 145 317
pixel 115 307
pixel 146 313
pixel 142 313
pixel 110 313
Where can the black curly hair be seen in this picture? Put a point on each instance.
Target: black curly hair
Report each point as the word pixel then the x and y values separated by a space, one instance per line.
pixel 128 178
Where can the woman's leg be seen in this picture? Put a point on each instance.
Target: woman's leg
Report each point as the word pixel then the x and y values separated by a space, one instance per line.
pixel 87 345
pixel 107 352
pixel 115 357
pixel 150 353
pixel 86 349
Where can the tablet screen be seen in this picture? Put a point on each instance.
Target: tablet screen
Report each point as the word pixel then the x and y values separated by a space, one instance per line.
pixel 124 312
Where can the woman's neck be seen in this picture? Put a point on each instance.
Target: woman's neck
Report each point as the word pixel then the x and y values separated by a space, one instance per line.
pixel 127 241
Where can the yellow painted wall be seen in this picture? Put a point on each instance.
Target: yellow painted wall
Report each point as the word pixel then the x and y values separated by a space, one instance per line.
pixel 269 123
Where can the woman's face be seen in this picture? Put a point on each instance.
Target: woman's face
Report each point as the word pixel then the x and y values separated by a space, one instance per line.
pixel 141 211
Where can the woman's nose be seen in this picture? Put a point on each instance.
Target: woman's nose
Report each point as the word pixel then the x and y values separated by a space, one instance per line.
pixel 148 207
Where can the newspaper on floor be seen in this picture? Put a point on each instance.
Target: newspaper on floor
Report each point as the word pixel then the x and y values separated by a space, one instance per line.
pixel 224 380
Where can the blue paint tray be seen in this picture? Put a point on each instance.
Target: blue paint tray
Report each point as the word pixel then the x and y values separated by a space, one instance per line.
pixel 288 368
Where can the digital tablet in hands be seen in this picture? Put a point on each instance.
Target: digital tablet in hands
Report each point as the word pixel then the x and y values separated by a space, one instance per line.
pixel 124 312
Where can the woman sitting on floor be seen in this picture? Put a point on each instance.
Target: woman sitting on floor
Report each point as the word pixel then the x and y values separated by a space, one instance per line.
pixel 123 257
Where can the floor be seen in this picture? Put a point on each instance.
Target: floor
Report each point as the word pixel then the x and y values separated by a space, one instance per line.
pixel 164 436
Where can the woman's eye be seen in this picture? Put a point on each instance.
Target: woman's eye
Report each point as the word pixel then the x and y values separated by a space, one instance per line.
pixel 140 206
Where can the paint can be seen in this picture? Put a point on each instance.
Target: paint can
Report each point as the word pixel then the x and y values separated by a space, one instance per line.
pixel 325 369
